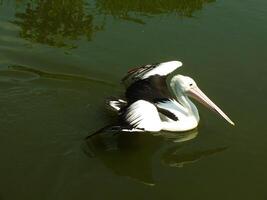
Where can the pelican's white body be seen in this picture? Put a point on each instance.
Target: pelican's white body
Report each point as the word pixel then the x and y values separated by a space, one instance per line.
pixel 188 118
pixel 151 120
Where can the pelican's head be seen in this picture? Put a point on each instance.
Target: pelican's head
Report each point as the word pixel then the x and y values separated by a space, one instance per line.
pixel 187 86
pixel 183 83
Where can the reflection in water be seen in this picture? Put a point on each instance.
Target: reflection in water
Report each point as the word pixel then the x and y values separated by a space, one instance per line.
pixel 58 22
pixel 178 137
pixel 131 154
pixel 174 158
pixel 55 22
pixel 122 8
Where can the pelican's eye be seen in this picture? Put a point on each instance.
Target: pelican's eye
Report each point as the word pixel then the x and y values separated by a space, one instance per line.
pixel 191 84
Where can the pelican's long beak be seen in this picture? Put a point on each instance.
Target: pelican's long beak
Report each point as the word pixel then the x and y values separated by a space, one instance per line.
pixel 197 94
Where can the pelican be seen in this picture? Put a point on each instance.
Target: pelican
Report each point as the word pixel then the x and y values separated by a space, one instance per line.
pixel 149 106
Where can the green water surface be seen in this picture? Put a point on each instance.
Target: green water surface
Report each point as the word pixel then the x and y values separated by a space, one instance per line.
pixel 60 59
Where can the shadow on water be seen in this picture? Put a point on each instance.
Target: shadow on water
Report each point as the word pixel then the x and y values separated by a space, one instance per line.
pixel 131 155
pixel 60 22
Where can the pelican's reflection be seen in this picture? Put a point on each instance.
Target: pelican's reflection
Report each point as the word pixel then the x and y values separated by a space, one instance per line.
pixel 173 158
pixel 131 154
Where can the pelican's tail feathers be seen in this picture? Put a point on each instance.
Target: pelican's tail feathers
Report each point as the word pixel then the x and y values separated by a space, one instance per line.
pixel 115 104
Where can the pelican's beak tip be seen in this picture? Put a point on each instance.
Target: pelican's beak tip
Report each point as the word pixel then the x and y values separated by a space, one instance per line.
pixel 232 123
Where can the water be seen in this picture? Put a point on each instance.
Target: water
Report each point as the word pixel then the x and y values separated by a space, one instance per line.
pixel 60 59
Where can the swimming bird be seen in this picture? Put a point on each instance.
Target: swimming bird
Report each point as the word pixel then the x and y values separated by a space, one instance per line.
pixel 149 105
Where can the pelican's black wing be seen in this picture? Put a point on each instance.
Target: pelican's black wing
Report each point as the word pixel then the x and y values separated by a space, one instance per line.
pixel 152 89
pixel 148 82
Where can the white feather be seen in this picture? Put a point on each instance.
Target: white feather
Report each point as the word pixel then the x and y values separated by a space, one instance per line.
pixel 144 115
pixel 163 69
pixel 116 105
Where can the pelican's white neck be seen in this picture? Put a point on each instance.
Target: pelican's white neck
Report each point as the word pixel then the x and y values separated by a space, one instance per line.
pixel 183 99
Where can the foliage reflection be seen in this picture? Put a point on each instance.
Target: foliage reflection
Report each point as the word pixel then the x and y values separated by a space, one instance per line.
pixel 54 22
pixel 61 22
pixel 122 8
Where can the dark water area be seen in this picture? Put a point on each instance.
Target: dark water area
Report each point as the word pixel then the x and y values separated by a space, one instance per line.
pixel 59 60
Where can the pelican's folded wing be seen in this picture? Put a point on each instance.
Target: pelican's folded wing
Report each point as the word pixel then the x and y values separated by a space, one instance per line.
pixel 146 71
pixel 143 115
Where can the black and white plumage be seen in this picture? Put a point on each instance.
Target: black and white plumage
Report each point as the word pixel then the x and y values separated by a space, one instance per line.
pixel 147 71
pixel 150 106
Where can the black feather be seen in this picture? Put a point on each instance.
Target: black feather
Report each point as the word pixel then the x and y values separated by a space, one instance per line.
pixel 152 89
pixel 168 114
